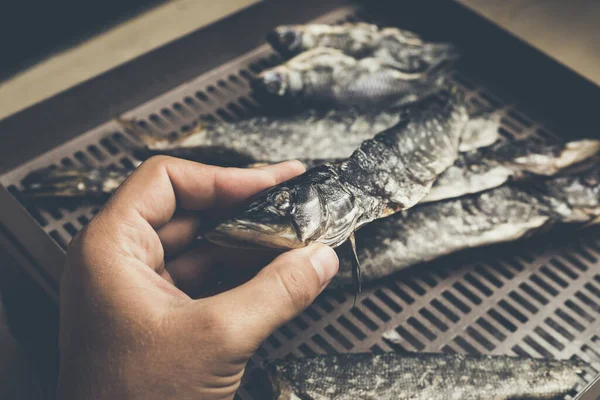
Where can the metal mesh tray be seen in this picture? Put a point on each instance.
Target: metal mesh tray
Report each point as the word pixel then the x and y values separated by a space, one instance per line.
pixel 539 297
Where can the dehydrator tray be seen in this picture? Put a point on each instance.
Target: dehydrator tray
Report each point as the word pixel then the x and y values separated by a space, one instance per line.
pixel 539 297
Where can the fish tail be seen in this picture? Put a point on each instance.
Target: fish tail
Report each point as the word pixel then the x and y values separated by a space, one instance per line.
pixel 131 126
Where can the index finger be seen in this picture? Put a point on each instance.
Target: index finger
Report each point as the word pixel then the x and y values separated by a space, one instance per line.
pixel 162 183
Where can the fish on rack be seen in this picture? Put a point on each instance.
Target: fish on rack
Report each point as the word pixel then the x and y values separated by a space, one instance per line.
pixel 326 77
pixel 492 166
pixel 247 143
pixel 504 214
pixel 308 134
pixel 422 376
pixel 400 48
pixel 389 173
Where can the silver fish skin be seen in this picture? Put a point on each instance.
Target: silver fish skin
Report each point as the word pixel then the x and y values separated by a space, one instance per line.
pixel 66 182
pixel 493 166
pixel 422 376
pixel 220 144
pixel 309 134
pixel 504 214
pixel 328 78
pixel 490 167
pixel 386 174
pixel 402 49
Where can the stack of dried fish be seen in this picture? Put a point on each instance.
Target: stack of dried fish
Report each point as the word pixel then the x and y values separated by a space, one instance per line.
pixel 310 136
pixel 414 161
pixel 370 88
pixel 504 214
pixel 402 49
pixel 356 64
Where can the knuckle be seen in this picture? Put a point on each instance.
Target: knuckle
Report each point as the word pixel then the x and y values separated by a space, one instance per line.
pixel 158 161
pixel 155 163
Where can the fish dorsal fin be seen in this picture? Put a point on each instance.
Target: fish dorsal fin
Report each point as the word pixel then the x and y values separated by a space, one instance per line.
pixel 356 273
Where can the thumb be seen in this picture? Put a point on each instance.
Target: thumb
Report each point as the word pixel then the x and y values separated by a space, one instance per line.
pixel 281 290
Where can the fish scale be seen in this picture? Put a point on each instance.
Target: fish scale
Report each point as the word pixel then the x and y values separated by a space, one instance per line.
pixel 389 173
pixel 411 376
pixel 508 213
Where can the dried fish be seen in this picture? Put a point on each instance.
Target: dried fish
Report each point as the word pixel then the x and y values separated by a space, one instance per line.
pixel 224 144
pixel 386 174
pixel 490 167
pixel 503 214
pixel 402 49
pixel 329 78
pixel 422 376
pixel 309 134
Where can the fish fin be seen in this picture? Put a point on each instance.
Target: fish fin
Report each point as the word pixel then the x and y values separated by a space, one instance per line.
pixel 482 130
pixel 130 125
pixel 356 273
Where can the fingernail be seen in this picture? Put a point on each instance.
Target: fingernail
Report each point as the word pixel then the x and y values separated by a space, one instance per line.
pixel 325 262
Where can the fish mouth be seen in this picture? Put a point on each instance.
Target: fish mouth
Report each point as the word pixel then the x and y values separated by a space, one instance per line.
pixel 245 234
pixel 269 82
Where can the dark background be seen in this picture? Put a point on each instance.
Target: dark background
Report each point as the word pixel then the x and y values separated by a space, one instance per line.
pixel 33 30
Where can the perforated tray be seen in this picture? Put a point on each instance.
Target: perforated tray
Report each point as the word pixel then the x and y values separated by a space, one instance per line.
pixel 539 297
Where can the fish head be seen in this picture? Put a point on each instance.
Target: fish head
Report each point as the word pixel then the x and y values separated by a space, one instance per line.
pixel 286 39
pixel 279 82
pixel 289 215
pixel 580 192
pixel 272 82
pixel 583 191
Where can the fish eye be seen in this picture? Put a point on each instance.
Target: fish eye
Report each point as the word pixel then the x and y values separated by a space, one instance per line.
pixel 287 38
pixel 282 200
pixel 273 82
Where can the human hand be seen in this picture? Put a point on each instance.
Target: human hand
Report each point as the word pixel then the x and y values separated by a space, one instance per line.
pixel 128 332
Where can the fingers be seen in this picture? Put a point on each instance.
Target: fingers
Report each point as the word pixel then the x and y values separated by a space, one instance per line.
pixel 280 291
pixel 148 199
pixel 162 183
pixel 179 232
pixel 183 228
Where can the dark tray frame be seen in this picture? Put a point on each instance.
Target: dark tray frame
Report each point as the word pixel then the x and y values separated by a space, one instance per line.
pixel 549 88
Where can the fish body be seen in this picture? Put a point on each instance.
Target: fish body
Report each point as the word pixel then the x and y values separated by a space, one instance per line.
pixel 309 134
pixel 391 172
pixel 402 49
pixel 329 78
pixel 489 167
pixel 503 214
pixel 257 141
pixel 492 166
pixel 422 376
